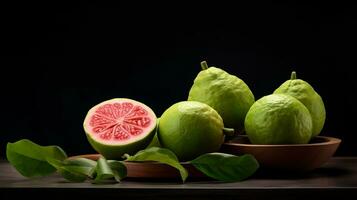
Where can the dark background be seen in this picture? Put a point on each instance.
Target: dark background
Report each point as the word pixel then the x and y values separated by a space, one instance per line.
pixel 58 60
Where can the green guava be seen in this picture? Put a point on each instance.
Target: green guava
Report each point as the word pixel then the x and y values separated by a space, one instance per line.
pixel 119 126
pixel 155 141
pixel 227 94
pixel 191 128
pixel 278 119
pixel 305 93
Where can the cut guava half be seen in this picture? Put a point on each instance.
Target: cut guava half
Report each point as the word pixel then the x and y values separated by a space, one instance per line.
pixel 118 126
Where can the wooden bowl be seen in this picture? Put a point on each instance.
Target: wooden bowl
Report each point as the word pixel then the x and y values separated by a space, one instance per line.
pixel 291 157
pixel 151 169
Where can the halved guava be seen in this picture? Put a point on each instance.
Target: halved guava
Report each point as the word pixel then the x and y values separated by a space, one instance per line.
pixel 119 126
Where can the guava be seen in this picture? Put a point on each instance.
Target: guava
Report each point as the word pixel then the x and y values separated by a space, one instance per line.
pixel 278 119
pixel 119 126
pixel 190 128
pixel 305 93
pixel 227 94
pixel 155 141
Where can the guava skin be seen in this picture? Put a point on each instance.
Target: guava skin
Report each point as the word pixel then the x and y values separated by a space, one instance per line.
pixel 227 94
pixel 278 119
pixel 305 93
pixel 190 129
pixel 155 141
pixel 117 151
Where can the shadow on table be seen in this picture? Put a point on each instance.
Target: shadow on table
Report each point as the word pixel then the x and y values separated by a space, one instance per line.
pixel 262 173
pixel 331 172
pixel 317 173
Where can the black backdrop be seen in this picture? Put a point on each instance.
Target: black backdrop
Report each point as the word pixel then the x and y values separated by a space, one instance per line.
pixel 58 60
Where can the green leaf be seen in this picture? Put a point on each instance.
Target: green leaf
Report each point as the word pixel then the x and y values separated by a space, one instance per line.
pixel 118 168
pixel 30 159
pixel 161 155
pixel 103 171
pixel 75 170
pixel 73 173
pixel 81 162
pixel 226 167
pixel 93 172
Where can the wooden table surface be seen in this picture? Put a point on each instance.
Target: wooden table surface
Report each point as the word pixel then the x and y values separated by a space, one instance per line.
pixel 336 179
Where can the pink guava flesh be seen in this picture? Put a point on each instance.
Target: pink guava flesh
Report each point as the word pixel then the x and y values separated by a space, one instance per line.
pixel 119 121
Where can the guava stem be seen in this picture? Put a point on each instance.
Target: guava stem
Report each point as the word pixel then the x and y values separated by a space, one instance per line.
pixel 204 65
pixel 228 131
pixel 293 75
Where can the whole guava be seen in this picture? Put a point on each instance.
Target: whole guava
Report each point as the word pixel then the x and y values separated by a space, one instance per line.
pixel 226 93
pixel 190 128
pixel 278 119
pixel 305 93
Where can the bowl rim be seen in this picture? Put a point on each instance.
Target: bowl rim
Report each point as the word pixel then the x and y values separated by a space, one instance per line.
pixel 327 141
